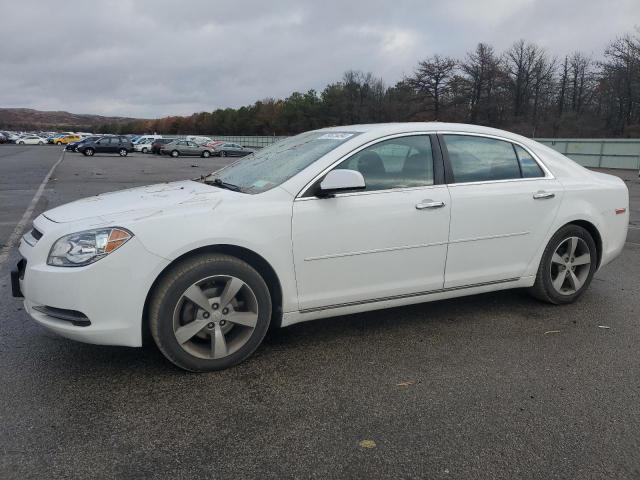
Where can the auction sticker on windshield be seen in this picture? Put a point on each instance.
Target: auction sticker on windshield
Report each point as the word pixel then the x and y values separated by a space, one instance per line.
pixel 335 136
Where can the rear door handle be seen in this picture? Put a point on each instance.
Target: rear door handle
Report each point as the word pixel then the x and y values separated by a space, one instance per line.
pixel 429 204
pixel 543 195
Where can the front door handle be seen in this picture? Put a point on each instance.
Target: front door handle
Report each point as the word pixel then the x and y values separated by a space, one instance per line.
pixel 429 204
pixel 543 195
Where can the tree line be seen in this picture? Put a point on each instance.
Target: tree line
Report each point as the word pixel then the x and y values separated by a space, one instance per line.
pixel 524 89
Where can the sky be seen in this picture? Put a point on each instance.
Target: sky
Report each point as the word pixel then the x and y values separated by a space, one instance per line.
pixel 153 58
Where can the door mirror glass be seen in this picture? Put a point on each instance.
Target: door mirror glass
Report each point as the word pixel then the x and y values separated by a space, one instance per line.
pixel 341 180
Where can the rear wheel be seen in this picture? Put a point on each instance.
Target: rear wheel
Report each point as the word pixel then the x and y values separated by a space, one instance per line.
pixel 210 312
pixel 122 152
pixel 20 143
pixel 58 143
pixel 567 266
pixel 89 152
pixel 40 143
pixel 145 149
pixel 223 153
pixel 206 154
pixel 175 153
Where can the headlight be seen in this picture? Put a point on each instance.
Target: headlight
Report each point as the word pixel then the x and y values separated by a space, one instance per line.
pixel 82 248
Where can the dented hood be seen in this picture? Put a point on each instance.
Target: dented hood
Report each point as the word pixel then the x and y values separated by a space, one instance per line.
pixel 152 198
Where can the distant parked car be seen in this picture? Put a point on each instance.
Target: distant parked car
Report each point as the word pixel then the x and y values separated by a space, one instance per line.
pixel 157 145
pixel 213 143
pixel 3 139
pixel 231 150
pixel 143 144
pixel 73 147
pixel 65 139
pixel 31 140
pixel 11 137
pixel 111 144
pixel 186 148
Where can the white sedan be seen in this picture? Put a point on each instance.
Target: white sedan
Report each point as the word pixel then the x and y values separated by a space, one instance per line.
pixel 330 222
pixel 31 140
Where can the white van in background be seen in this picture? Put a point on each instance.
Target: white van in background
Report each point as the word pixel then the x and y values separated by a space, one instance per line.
pixel 198 139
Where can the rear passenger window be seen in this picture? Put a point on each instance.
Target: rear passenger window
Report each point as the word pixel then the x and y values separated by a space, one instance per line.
pixel 395 163
pixel 529 167
pixel 480 159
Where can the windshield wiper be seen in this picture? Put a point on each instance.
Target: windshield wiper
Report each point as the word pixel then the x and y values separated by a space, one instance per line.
pixel 219 183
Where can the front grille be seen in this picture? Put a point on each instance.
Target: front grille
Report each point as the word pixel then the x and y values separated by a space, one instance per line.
pixel 78 319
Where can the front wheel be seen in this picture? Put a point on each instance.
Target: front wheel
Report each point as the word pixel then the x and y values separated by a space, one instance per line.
pixel 210 312
pixel 206 154
pixel 58 143
pixel 145 149
pixel 20 143
pixel 123 152
pixel 89 152
pixel 567 266
pixel 223 153
pixel 175 153
pixel 40 143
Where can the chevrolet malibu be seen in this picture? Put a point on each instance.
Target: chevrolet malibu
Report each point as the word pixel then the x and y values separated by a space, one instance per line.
pixel 330 222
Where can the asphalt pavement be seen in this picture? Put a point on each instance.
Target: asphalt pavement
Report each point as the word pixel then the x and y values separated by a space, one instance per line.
pixel 493 386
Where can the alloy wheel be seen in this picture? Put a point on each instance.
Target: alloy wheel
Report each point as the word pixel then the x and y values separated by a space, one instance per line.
pixel 570 265
pixel 215 317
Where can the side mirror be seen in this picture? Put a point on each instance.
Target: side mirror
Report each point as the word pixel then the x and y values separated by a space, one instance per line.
pixel 340 180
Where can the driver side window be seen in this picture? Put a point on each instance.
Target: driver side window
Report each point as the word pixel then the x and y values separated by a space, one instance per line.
pixel 395 163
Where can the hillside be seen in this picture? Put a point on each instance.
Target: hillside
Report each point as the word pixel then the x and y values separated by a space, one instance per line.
pixel 29 119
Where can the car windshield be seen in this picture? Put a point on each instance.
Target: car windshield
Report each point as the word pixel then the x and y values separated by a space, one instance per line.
pixel 273 165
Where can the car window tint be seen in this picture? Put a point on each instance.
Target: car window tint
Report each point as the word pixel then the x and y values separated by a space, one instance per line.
pixel 395 163
pixel 480 159
pixel 529 167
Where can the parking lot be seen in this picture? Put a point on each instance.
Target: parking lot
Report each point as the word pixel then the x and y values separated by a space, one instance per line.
pixel 494 386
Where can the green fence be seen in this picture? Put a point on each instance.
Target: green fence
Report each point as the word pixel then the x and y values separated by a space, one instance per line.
pixel 248 140
pixel 598 152
pixel 590 152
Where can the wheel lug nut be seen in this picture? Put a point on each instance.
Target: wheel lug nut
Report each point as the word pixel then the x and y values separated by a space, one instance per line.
pixel 223 323
pixel 225 311
pixel 205 315
pixel 215 306
pixel 211 325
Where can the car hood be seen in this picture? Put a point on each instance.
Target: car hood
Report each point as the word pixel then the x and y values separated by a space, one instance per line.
pixel 140 201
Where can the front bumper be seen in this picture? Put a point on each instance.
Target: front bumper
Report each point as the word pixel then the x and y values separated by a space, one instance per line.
pixel 101 303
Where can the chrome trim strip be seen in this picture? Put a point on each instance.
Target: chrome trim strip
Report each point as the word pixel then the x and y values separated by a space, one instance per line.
pixel 374 192
pixel 489 237
pixel 408 295
pixel 376 250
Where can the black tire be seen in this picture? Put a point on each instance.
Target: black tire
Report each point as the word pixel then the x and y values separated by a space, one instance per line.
pixel 145 149
pixel 123 152
pixel 175 153
pixel 206 154
pixel 20 143
pixel 223 153
pixel 88 152
pixel 58 143
pixel 167 295
pixel 543 288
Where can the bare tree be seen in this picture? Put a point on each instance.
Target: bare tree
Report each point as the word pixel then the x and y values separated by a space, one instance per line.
pixel 481 72
pixel 431 80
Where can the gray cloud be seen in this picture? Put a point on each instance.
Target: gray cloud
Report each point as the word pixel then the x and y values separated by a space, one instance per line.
pixel 152 58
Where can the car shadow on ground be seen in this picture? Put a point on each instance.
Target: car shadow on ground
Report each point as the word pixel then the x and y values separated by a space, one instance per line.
pixel 440 318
